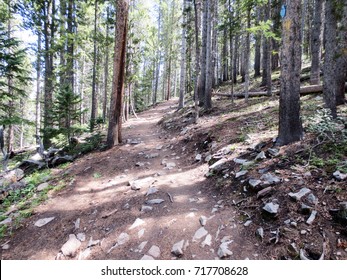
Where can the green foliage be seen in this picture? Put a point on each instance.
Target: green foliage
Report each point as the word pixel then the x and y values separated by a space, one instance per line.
pixel 91 144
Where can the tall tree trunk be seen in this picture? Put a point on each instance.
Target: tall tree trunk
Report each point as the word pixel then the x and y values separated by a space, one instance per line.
pixel 225 55
pixel 290 126
pixel 247 54
pixel 266 71
pixel 158 57
pixel 70 47
pixel 316 42
pixel 197 58
pixel 183 58
pixel 329 78
pixel 114 135
pixel 105 101
pixel 94 82
pixel 209 68
pixel 38 86
pixel 277 30
pixel 257 47
pixel 202 84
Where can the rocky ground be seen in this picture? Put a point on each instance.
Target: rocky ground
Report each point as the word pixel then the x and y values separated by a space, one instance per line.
pixel 213 190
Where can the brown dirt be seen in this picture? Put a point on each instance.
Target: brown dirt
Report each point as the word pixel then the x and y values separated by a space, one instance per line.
pixel 99 185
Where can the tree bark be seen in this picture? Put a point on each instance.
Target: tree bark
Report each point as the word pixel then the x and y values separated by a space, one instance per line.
pixel 209 66
pixel 257 47
pixel 290 126
pixel 114 135
pixel 316 42
pixel 183 58
pixel 247 53
pixel 197 59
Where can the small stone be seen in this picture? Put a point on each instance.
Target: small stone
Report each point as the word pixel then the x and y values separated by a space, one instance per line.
pixel 42 222
pixel 305 209
pixel 287 222
pixel 208 158
pixel 223 250
pixel 92 242
pixel 260 232
pixel 147 258
pixel 151 190
pixel 198 157
pixel 77 223
pixel 254 183
pixel 294 224
pixel 141 233
pixel 270 179
pixel 300 194
pixel 142 246
pixel 154 251
pixel 240 160
pixel 241 173
pixel 71 246
pixel 5 247
pixel 177 248
pixel 159 147
pixel 200 233
pixel 207 241
pixel 138 222
pixel 219 165
pixel 247 223
pixel 155 201
pixel 312 199
pixel 260 156
pixel 42 186
pixel 265 192
pixel 81 236
pixel 339 175
pixel 203 221
pixel 140 164
pixel 85 254
pixel 146 208
pixel 154 155
pixel 123 238
pixel 271 208
pixel 6 221
pixel 141 183
pixel 274 152
pixel 303 232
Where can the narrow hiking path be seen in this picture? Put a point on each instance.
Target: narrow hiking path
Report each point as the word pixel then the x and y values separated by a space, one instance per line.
pixel 100 216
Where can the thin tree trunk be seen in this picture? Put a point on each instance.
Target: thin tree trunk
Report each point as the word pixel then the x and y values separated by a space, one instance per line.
pixel 209 68
pixel 114 135
pixel 183 58
pixel 316 43
pixel 197 59
pixel 257 47
pixel 247 54
pixel 38 86
pixel 105 101
pixel 94 82
pixel 202 80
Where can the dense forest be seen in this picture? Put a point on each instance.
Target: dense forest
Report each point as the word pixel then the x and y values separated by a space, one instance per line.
pixel 74 73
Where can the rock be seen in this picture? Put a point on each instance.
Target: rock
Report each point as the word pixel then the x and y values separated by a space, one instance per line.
pixel 226 150
pixel 260 156
pixel 140 233
pixel 6 221
pixel 170 165
pixel 154 251
pixel 42 222
pixel 42 186
pixel 77 223
pixel 71 246
pixel 141 183
pixel 159 147
pixel 198 157
pixel 219 165
pixel 207 241
pixel 146 208
pixel 254 183
pixel 123 238
pixel 223 250
pixel 303 232
pixel 259 146
pixel 203 221
pixel 208 158
pixel 312 199
pixel 339 175
pixel 312 217
pixel 155 201
pixel 265 192
pixel 200 233
pixel 300 194
pixel 247 223
pixel 138 222
pixel 241 173
pixel 151 190
pixel 177 248
pixel 14 175
pixel 305 209
pixel 140 164
pixel 5 247
pixel 85 254
pixel 36 157
pixel 294 224
pixel 270 179
pixel 271 208
pixel 154 155
pixel 240 160
pixel 273 152
pixel 147 258
pixel 92 242
pixel 142 246
pixel 81 236
pixel 260 232
pixel 134 141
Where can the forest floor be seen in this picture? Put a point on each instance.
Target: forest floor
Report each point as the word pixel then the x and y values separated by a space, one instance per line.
pixel 158 196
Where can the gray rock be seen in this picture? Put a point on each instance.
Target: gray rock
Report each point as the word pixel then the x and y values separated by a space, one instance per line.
pixel 155 201
pixel 271 208
pixel 81 236
pixel 265 192
pixel 5 247
pixel 259 146
pixel 42 222
pixel 77 223
pixel 146 208
pixel 140 233
pixel 85 254
pixel 36 157
pixel 42 186
pixel 219 165
pixel 159 147
pixel 312 199
pixel 92 242
pixel 254 183
pixel 223 250
pixel 170 165
pixel 294 224
pixel 70 248
pixel 200 233
pixel 312 217
pixel 305 209
pixel 140 164
pixel 240 160
pixel 270 179
pixel 123 238
pixel 203 221
pixel 154 251
pixel 142 246
pixel 14 175
pixel 138 222
pixel 339 175
pixel 6 221
pixel 153 155
pixel 147 258
pixel 198 157
pixel 260 232
pixel 207 241
pixel 177 248
pixel 241 173
pixel 226 150
pixel 208 158
pixel 303 232
pixel 300 194
pixel 260 156
pixel 247 223
pixel 141 183
pixel 151 190
pixel 274 152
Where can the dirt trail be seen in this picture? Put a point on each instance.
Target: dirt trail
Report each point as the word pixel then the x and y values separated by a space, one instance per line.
pixel 100 208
